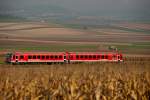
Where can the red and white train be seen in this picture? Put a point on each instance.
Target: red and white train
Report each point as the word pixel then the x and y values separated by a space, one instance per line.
pixel 63 57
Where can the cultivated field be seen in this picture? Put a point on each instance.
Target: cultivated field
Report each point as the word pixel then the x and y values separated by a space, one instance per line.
pixel 129 80
pixel 25 36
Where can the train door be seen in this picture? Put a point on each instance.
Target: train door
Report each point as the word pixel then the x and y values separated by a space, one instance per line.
pixel 65 58
pixel 118 57
pixel 8 58
pixel 16 58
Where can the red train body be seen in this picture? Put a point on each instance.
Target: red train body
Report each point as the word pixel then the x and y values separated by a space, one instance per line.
pixel 63 57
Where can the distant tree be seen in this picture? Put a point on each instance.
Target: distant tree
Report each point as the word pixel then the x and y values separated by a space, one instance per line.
pixel 112 48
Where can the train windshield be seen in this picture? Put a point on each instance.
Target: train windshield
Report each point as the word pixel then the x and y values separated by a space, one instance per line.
pixel 8 55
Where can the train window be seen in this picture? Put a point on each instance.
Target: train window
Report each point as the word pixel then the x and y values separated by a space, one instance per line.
pixel 77 56
pixel 98 56
pixel 21 57
pixel 34 57
pixel 106 57
pixel 102 56
pixel 47 57
pixel 43 57
pixel 60 57
pixel 38 57
pixel 94 56
pixel 29 57
pixel 81 56
pixel 56 57
pixel 51 57
pixel 90 56
pixel 86 56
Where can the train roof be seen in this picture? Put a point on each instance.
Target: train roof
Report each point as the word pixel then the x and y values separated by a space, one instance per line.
pixel 93 52
pixel 39 52
pixel 99 52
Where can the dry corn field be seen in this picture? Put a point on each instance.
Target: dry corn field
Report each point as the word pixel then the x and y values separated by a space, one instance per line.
pixel 129 80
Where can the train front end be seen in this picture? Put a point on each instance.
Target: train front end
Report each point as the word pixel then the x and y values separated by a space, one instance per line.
pixel 8 58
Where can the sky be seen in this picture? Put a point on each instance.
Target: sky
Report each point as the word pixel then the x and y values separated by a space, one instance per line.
pixel 83 5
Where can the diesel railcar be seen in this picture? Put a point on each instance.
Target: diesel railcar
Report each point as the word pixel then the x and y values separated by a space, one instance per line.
pixel 63 57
